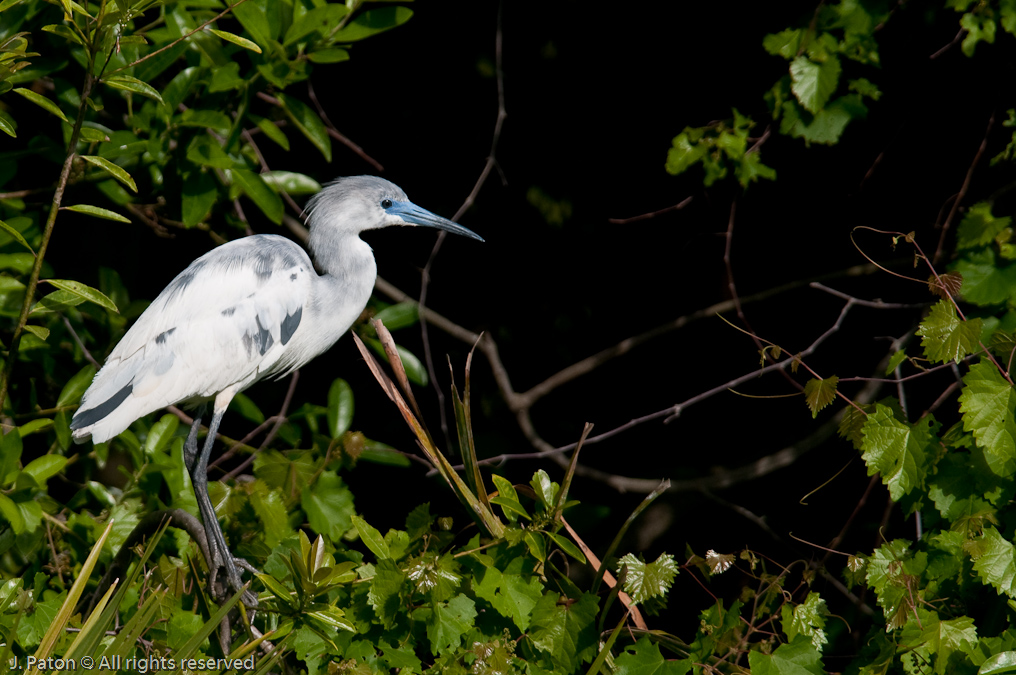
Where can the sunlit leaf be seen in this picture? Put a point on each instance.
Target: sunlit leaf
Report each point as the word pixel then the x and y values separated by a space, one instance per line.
pixel 133 84
pixel 41 101
pixel 236 39
pixel 112 169
pixel 96 211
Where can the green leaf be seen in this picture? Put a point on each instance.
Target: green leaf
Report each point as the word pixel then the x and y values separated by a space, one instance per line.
pixel 45 467
pixel 511 507
pixel 333 617
pixel 979 227
pixel 946 337
pixel 372 22
pixel 87 292
pixel 448 622
pixel 793 658
pixel 42 102
pixel 644 658
pixel 684 153
pixel 271 511
pixel 827 125
pixel 648 580
pixel 15 235
pixel 161 433
pixel 813 83
pixel 7 124
pixel 865 88
pixel 568 547
pixel 807 619
pixel 198 196
pixel 206 119
pixel 254 16
pixel 385 594
pixel 246 408
pixel 57 301
pixel 988 402
pixel 340 408
pixel 96 211
pixel 328 504
pixel 264 197
pixel 272 131
pixel 820 393
pixel 399 316
pixel 986 281
pixel 290 182
pixel 93 135
pixel 896 450
pixel 980 28
pixel 133 84
pixel 75 387
pixel 308 122
pixel 895 360
pixel 536 544
pixel 545 489
pixel 995 561
pixel 513 592
pixel 12 514
pixel 565 633
pixel 236 39
pixel 320 19
pixel 371 538
pixel 38 331
pixel 112 169
pixel 785 43
pixel 999 664
pixel 332 55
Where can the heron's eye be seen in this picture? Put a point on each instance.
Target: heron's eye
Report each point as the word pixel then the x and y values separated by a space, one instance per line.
pixel 386 203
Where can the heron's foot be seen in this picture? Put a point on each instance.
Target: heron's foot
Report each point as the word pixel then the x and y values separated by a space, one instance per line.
pixel 233 581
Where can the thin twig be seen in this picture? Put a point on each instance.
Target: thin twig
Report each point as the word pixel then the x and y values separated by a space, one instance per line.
pixel 963 190
pixel 955 41
pixel 652 214
pixel 280 418
pixel 79 343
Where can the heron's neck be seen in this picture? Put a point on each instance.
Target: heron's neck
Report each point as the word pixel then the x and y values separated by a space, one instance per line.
pixel 349 272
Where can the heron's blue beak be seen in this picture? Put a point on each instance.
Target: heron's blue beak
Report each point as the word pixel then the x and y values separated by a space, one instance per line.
pixel 414 215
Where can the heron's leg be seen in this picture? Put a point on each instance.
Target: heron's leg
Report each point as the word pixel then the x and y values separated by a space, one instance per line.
pixel 218 550
pixel 190 448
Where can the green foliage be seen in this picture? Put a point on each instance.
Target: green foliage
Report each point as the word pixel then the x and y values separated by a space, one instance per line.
pixel 718 147
pixel 165 103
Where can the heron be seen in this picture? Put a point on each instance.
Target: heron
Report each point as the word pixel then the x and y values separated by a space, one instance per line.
pixel 247 310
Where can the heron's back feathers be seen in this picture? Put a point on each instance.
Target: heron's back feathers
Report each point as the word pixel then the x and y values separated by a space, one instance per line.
pixel 228 319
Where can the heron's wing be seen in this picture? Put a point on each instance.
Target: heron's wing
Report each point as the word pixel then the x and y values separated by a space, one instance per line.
pixel 223 323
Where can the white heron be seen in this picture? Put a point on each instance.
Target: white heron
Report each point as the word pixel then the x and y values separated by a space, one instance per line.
pixel 247 310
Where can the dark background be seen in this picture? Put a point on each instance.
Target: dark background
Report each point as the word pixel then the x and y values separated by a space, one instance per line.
pixel 594 95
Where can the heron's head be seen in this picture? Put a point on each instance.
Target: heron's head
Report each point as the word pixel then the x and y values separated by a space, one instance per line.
pixel 358 203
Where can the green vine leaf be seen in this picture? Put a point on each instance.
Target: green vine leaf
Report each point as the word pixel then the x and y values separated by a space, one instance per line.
pixel 988 403
pixel 979 227
pixel 946 337
pixel 820 393
pixel 813 83
pixel 995 561
pixel 647 580
pixel 793 658
pixel 897 450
